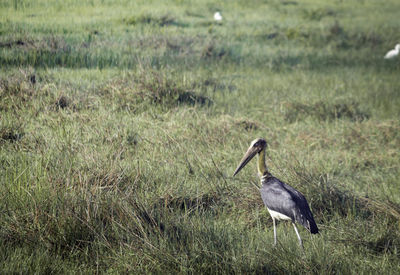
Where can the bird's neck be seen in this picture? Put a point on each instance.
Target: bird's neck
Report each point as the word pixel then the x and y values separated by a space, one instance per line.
pixel 262 166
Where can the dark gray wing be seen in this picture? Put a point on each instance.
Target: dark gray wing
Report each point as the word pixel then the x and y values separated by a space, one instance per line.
pixel 284 199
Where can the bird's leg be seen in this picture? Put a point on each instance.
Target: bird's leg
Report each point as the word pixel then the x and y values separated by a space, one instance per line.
pixel 298 235
pixel 273 220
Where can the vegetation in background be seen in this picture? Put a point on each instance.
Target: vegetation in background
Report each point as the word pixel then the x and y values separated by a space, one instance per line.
pixel 121 123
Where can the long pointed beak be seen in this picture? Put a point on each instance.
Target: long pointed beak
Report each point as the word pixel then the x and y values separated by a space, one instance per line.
pixel 251 152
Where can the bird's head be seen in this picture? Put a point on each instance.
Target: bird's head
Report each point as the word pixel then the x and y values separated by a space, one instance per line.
pixel 256 147
pixel 397 47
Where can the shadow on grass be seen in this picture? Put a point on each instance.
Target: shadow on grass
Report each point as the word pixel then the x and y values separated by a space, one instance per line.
pixel 162 20
pixel 11 134
pixel 148 88
pixel 325 111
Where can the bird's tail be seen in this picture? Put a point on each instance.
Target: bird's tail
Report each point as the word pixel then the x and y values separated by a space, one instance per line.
pixel 312 226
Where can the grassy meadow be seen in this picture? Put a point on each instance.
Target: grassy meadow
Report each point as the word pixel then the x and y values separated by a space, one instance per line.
pixel 121 123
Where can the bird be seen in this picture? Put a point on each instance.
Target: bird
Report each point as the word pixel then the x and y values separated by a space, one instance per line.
pixel 282 201
pixel 393 53
pixel 218 16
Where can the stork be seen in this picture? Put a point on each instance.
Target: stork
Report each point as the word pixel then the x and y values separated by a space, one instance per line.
pixel 282 201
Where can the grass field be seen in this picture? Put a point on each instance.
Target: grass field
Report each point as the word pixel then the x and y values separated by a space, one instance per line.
pixel 121 123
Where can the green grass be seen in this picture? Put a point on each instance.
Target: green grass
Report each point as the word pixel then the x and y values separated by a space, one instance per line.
pixel 121 123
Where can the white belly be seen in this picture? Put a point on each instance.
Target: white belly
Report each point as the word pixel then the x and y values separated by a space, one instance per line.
pixel 277 215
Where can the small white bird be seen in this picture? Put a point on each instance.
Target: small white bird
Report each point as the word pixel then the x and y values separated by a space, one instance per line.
pixel 393 53
pixel 218 16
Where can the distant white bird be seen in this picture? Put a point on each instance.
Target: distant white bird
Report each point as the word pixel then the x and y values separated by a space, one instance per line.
pixel 218 16
pixel 393 53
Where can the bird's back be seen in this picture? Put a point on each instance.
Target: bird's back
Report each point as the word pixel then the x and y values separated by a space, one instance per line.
pixel 283 198
pixel 390 54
